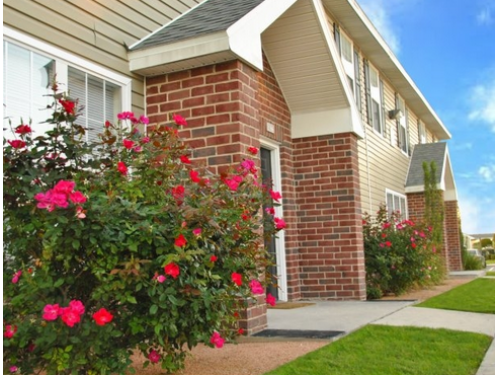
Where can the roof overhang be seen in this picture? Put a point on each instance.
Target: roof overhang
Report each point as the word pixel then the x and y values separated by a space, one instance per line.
pixel 304 61
pixel 240 41
pixel 352 18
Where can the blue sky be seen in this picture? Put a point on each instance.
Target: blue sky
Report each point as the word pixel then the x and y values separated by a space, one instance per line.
pixel 448 48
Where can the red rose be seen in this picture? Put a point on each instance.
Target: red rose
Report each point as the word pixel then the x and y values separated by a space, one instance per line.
pixel 172 269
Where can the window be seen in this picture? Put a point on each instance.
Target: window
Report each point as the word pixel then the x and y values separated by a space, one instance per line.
pixel 350 63
pixel 26 77
pixel 402 124
pixel 374 98
pixel 396 203
pixel 99 98
pixel 422 134
pixel 29 67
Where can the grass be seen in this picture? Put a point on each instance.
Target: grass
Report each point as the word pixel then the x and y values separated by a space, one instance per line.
pixel 490 273
pixel 490 261
pixel 476 296
pixel 386 350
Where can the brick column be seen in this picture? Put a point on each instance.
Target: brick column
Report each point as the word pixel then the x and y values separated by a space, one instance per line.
pixel 416 206
pixel 416 213
pixel 452 225
pixel 221 107
pixel 329 217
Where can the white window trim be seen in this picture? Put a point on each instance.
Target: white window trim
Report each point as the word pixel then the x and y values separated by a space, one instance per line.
pixel 378 99
pixel 348 66
pixel 64 58
pixel 280 238
pixel 403 122
pixel 422 131
pixel 402 196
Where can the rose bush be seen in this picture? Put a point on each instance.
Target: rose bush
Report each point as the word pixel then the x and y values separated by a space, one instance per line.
pixel 399 255
pixel 123 245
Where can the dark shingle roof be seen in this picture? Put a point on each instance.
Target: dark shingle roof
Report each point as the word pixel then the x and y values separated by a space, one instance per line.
pixel 425 152
pixel 208 17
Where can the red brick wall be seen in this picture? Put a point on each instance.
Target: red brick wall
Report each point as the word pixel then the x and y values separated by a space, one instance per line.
pixel 329 217
pixel 220 104
pixel 452 232
pixel 416 206
pixel 228 106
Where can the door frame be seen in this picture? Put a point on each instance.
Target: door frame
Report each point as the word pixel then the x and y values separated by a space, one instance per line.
pixel 274 147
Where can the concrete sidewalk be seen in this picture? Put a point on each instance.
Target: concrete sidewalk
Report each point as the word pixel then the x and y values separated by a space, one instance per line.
pixel 349 316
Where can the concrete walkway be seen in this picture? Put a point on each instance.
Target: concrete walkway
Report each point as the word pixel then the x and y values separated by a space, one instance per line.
pixel 349 316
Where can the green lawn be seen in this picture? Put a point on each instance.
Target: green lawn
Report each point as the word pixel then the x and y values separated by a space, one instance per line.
pixel 490 261
pixel 490 273
pixel 476 296
pixel 386 350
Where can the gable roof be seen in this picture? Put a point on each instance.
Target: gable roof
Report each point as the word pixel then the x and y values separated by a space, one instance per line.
pixel 221 30
pixel 427 152
pixel 431 152
pixel 208 17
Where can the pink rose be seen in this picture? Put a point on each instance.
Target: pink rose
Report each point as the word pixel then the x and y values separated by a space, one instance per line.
pixel 77 197
pixel 271 300
pixel 179 120
pixel 217 340
pixel 51 312
pixel 153 356
pixel 256 287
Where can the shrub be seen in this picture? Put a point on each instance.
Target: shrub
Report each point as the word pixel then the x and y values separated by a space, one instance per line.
pixel 470 262
pixel 398 255
pixel 122 244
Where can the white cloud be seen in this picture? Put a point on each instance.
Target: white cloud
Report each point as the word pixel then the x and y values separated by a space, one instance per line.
pixel 464 146
pixel 487 172
pixel 486 16
pixel 478 215
pixel 482 103
pixel 379 11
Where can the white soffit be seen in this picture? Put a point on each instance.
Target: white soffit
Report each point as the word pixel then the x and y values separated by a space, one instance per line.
pixel 352 19
pixel 309 72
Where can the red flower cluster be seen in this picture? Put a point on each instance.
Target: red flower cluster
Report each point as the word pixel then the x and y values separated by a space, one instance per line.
pixel 68 106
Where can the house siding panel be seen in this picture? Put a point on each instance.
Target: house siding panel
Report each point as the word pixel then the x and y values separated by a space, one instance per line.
pixel 95 31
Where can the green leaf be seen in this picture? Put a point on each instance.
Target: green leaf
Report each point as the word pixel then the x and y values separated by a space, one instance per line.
pixel 76 244
pixel 153 309
pixel 131 299
pixel 58 283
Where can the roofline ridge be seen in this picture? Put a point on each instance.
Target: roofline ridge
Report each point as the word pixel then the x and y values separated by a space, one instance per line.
pixel 164 26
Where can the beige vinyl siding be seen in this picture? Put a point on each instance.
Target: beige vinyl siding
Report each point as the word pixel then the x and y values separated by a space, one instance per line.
pixel 382 164
pixel 97 31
